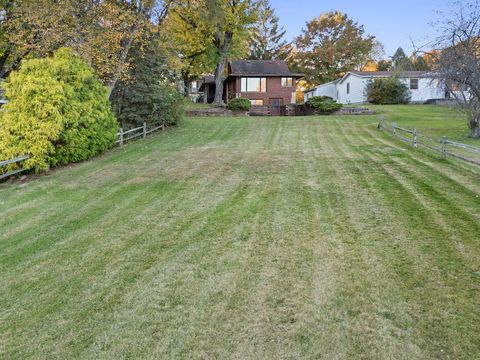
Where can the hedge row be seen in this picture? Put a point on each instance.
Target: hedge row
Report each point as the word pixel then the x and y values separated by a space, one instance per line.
pixel 58 111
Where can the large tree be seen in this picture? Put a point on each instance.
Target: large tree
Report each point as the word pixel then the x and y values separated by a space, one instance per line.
pixel 267 41
pixel 331 45
pixel 458 65
pixel 100 31
pixel 148 94
pixel 230 21
pixel 187 40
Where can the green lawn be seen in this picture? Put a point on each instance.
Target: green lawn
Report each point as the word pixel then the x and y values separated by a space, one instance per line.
pixel 431 120
pixel 245 238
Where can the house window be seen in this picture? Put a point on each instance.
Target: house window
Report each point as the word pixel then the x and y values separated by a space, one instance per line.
pixel 194 86
pixel 257 102
pixel 254 84
pixel 348 88
pixel 413 84
pixel 287 81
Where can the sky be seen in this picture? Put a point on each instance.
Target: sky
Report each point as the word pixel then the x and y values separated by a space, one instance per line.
pixel 394 23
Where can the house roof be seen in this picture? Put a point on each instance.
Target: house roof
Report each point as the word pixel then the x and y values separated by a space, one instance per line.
pixel 206 80
pixel 389 73
pixel 260 68
pixel 400 74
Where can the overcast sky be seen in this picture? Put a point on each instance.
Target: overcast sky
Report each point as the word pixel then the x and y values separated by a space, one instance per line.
pixel 394 23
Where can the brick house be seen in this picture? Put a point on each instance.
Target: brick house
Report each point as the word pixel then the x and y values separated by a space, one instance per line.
pixel 266 83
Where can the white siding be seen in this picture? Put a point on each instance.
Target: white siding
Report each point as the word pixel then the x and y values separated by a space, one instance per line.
pixel 329 89
pixel 357 94
pixel 427 89
pixel 307 95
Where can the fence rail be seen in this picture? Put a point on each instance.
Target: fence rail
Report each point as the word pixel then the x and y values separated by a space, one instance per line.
pixel 123 136
pixel 143 131
pixel 443 146
pixel 12 161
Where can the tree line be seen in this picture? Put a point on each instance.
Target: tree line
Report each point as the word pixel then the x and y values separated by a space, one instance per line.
pixel 190 37
pixel 140 47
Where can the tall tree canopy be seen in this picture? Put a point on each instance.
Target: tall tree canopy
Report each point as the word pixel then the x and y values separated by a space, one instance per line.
pixel 267 41
pixel 187 40
pixel 231 21
pixel 331 45
pixel 101 32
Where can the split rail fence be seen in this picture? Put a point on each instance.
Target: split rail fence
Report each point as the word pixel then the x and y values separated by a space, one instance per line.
pixel 444 146
pixel 12 161
pixel 122 137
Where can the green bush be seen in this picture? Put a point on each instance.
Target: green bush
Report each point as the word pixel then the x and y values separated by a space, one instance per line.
pixel 323 104
pixel 388 91
pixel 148 94
pixel 239 104
pixel 57 113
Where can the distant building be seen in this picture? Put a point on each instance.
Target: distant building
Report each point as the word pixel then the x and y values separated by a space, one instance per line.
pixel 264 82
pixel 352 88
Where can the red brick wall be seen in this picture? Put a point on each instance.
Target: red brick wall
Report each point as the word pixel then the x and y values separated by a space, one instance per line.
pixel 274 90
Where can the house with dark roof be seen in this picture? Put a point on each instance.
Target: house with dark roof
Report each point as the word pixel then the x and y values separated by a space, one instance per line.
pixel 264 82
pixel 207 88
pixel 352 87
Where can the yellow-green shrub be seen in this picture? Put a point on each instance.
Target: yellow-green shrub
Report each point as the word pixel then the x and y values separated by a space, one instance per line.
pixel 57 113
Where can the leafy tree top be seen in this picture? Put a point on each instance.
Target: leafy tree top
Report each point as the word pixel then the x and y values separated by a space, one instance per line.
pixel 330 46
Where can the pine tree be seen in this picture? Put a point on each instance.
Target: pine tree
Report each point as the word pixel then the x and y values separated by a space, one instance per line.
pixel 400 61
pixel 267 41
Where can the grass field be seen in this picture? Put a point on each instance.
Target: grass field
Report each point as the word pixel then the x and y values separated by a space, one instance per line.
pixel 431 120
pixel 245 238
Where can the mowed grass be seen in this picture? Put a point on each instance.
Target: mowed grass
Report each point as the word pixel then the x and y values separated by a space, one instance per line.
pixel 431 120
pixel 245 238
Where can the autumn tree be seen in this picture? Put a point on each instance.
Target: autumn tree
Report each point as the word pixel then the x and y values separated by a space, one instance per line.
pixel 267 40
pixel 370 65
pixel 458 65
pixel 32 29
pixel 101 32
pixel 186 40
pixel 231 21
pixel 331 45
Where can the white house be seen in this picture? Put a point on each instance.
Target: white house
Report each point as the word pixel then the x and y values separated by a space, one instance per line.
pixel 352 88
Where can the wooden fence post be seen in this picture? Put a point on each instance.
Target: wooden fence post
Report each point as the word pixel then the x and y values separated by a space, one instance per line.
pixel 121 136
pixel 144 129
pixel 381 125
pixel 414 139
pixel 444 147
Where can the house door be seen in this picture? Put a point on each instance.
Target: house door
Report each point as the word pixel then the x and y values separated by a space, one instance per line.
pixel 276 107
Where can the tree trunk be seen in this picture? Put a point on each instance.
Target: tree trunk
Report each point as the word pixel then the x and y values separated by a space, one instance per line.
pixel 475 126
pixel 220 69
pixel 185 84
pixel 3 60
pixel 121 63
